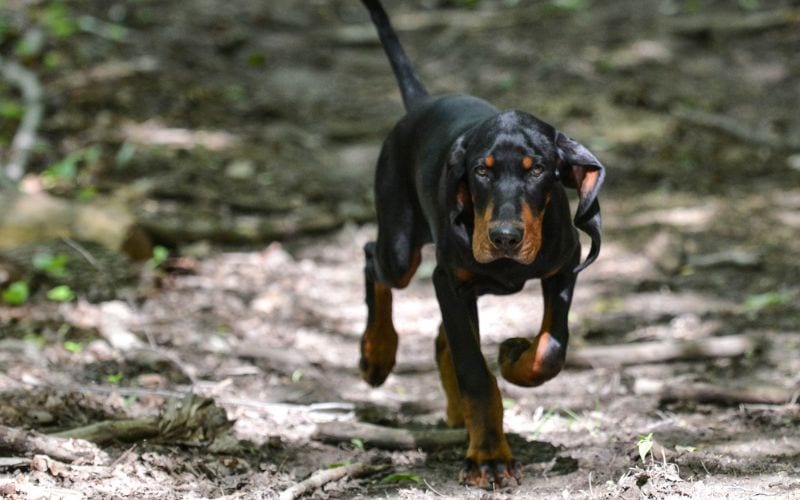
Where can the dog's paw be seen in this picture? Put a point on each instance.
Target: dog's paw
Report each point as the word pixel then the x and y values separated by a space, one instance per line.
pixel 374 374
pixel 378 350
pixel 490 474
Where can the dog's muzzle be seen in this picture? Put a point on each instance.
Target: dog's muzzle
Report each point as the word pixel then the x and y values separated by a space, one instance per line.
pixel 506 237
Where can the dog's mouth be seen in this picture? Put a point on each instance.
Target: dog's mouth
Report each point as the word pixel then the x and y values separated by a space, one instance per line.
pixel 523 256
pixel 517 240
pixel 511 241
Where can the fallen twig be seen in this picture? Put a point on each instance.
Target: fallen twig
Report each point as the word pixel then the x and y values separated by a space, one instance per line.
pixel 735 23
pixel 732 127
pixel 127 430
pixel 389 437
pixel 323 477
pixel 713 394
pixel 25 137
pixel 660 352
pixel 29 443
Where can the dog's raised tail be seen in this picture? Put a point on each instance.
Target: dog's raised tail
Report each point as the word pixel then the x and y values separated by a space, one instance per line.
pixel 411 87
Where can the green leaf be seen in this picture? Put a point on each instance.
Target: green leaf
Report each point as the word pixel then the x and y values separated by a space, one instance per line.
pixel 17 293
pixel 61 293
pixel 757 303
pixel 72 346
pixel 297 375
pixel 160 255
pixel 54 265
pixel 115 378
pixel 645 445
pixel 11 110
pixel 400 477
pixel 358 443
pixel 57 20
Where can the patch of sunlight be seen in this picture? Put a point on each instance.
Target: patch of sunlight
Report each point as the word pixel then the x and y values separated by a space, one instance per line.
pixel 153 133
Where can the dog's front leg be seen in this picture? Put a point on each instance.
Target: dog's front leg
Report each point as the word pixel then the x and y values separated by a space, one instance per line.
pixel 531 363
pixel 488 460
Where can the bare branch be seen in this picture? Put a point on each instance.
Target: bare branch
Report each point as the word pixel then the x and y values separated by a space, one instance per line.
pixel 25 137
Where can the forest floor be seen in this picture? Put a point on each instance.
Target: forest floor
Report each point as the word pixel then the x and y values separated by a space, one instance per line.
pixel 226 126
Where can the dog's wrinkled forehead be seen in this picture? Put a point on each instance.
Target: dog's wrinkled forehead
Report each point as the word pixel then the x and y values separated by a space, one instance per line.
pixel 518 131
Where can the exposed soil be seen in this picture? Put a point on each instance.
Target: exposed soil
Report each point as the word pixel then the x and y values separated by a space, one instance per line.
pixel 251 122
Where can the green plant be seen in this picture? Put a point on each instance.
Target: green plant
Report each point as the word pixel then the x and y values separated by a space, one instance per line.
pixel 66 169
pixel 160 255
pixel 336 465
pixel 73 346
pixel 645 445
pixel 537 430
pixel 17 293
pixel 754 304
pixel 11 110
pixel 57 20
pixel 115 378
pixel 61 293
pixel 53 265
pixel 358 443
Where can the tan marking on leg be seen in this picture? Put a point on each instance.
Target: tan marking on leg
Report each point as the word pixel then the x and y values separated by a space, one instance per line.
pixel 487 441
pixel 379 342
pixel 535 365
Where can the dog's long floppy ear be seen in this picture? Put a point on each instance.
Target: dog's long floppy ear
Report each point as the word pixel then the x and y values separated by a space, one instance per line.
pixel 456 195
pixel 580 169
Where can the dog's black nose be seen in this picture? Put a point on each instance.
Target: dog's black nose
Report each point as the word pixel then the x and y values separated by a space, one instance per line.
pixel 506 236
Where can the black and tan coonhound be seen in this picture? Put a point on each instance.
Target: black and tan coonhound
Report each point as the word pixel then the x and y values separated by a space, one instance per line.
pixel 487 188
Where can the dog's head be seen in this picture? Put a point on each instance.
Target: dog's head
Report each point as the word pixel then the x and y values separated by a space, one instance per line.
pixel 501 177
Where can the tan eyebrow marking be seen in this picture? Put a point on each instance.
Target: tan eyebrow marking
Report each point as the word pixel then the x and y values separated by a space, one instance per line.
pixel 489 161
pixel 527 162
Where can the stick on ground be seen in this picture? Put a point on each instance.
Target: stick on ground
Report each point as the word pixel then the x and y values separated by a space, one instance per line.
pixel 29 443
pixel 661 352
pixel 323 477
pixel 389 438
pixel 714 394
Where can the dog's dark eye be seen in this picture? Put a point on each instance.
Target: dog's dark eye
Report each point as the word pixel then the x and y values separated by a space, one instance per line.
pixel 481 171
pixel 536 170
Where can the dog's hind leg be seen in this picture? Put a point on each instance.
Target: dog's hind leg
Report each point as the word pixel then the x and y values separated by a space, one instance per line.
pixel 379 341
pixel 390 263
